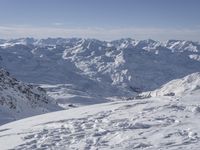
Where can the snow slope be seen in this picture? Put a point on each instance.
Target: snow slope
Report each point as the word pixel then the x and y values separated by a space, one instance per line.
pixel 19 100
pixel 177 87
pixel 153 123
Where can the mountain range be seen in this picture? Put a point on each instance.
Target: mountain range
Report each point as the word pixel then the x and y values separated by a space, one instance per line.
pixel 145 94
pixel 83 67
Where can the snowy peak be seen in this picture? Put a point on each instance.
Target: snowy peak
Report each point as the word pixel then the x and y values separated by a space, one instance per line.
pixel 149 44
pixel 20 41
pixel 181 46
pixel 123 43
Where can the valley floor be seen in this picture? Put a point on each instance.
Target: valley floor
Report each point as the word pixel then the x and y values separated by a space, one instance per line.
pixel 165 122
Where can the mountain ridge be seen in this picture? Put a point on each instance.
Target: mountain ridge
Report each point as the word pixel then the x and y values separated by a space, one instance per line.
pixel 171 44
pixel 120 68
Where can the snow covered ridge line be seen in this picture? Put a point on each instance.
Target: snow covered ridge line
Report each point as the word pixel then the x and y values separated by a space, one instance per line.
pixel 19 100
pixel 176 87
pixel 174 45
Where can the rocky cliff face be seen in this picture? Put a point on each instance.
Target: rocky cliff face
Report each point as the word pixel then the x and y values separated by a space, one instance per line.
pixel 19 100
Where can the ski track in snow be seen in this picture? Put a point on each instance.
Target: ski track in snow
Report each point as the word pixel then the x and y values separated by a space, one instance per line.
pixel 155 123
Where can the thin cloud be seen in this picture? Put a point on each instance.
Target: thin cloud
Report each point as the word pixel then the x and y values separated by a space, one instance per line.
pixel 57 24
pixel 101 33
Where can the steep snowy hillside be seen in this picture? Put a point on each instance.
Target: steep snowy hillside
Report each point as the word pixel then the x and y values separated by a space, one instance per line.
pixel 178 87
pixel 19 100
pixel 83 67
pixel 154 123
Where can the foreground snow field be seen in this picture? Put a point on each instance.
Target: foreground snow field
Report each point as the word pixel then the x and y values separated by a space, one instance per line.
pixel 165 122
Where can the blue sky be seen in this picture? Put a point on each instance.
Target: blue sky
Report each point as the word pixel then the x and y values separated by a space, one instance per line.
pixel 103 19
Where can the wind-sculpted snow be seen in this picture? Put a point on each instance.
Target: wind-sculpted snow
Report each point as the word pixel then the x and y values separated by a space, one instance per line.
pixel 153 123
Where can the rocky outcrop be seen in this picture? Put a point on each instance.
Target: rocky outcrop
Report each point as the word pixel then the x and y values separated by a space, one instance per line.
pixel 19 100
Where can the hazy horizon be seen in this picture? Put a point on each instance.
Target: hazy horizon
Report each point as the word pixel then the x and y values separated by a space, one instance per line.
pixel 104 20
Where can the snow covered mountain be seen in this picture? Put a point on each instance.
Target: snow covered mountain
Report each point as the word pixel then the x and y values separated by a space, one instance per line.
pixel 162 122
pixel 19 100
pixel 127 63
pixel 83 67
